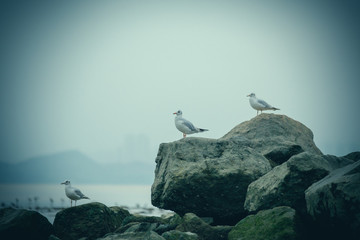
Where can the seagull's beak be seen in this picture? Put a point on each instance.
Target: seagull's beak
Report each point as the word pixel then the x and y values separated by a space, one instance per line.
pixel 248 95
pixel 174 113
pixel 63 183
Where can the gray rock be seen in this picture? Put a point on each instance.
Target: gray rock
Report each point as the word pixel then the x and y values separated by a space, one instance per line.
pixel 140 223
pixel 141 227
pixel 177 235
pixel 282 153
pixel 91 220
pixel 271 133
pixel 142 218
pixel 150 235
pixel 334 203
pixel 284 185
pixel 205 176
pixel 355 156
pixel 279 223
pixel 23 224
pixel 194 224
pixel 210 177
pixel 120 214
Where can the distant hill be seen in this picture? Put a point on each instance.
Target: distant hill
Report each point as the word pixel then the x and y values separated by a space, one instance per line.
pixel 77 167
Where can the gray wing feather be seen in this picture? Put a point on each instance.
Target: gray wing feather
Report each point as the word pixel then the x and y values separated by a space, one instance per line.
pixel 79 193
pixel 189 125
pixel 265 104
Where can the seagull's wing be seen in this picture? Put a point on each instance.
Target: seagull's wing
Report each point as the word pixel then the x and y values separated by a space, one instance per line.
pixel 189 125
pixel 79 193
pixel 265 104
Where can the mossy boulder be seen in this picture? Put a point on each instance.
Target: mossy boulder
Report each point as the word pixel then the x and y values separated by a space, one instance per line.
pixel 91 220
pixel 23 224
pixel 279 223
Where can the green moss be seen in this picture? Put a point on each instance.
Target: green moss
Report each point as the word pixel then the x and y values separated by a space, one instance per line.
pixel 277 224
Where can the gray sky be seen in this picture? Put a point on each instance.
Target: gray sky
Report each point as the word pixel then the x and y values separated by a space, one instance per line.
pixel 104 77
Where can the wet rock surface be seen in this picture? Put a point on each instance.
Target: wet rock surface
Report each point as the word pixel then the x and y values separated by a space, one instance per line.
pixel 23 224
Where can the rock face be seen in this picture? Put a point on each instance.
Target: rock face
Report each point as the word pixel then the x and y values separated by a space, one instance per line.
pixel 23 224
pixel 276 136
pixel 210 177
pixel 91 220
pixel 334 203
pixel 277 224
pixel 207 177
pixel 285 184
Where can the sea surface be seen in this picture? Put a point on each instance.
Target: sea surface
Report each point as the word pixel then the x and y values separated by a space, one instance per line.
pixel 48 199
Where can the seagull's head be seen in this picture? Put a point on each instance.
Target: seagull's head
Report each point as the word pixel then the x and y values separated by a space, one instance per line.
pixel 178 113
pixel 251 95
pixel 67 182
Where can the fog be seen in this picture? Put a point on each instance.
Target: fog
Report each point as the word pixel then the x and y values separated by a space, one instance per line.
pixel 104 77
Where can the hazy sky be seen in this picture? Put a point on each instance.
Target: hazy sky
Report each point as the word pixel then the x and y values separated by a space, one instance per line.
pixel 104 77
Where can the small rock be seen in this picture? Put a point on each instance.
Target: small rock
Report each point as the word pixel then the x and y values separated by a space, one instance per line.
pixel 276 224
pixel 142 218
pixel 194 224
pixel 177 235
pixel 133 236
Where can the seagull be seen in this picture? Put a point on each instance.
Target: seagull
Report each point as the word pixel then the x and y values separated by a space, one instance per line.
pixel 73 193
pixel 185 126
pixel 259 105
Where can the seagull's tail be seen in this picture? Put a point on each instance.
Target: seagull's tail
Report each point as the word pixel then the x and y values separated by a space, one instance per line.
pixel 274 108
pixel 202 130
pixel 85 197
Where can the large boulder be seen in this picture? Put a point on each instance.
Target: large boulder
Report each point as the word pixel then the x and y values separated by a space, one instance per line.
pixel 23 224
pixel 207 177
pixel 91 220
pixel 277 137
pixel 334 203
pixel 285 185
pixel 279 223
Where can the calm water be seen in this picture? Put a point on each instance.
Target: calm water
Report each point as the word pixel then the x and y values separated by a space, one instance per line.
pixel 48 195
pixel 31 196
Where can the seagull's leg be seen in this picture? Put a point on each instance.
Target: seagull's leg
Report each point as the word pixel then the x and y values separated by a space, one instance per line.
pixel 257 112
pixel 75 203
pixel 184 135
pixel 70 202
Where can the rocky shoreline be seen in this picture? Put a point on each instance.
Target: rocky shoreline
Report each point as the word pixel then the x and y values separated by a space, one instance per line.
pixel 265 179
